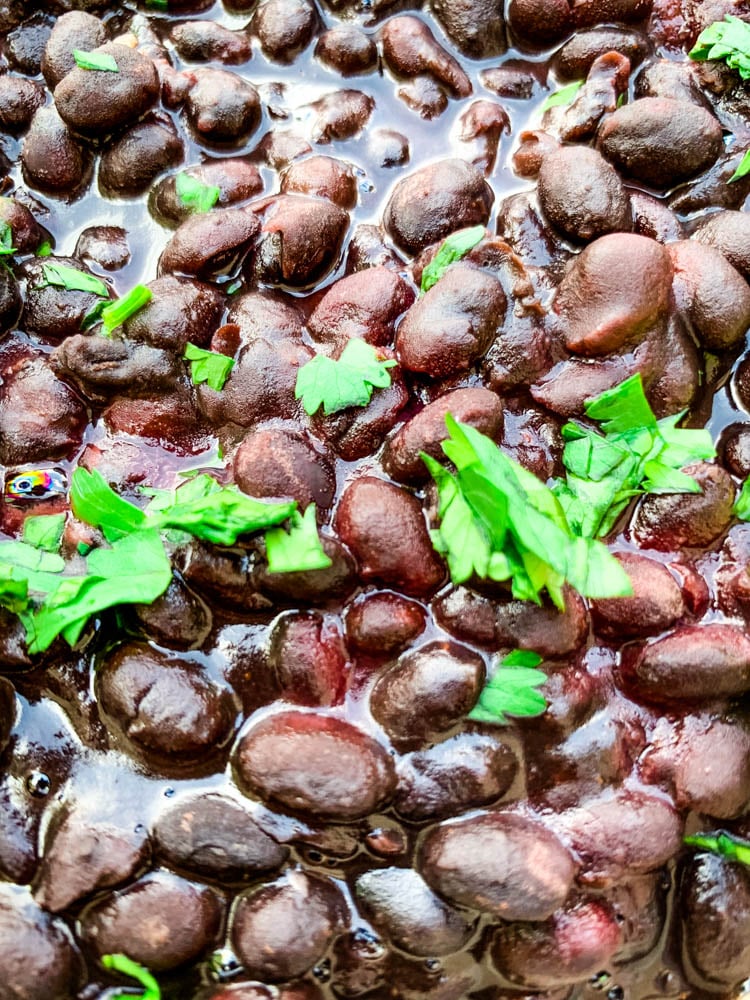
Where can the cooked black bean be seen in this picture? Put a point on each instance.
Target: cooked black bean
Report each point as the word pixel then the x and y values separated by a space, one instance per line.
pixel 222 106
pixel 308 659
pixel 130 164
pixel 582 195
pixel 52 159
pixel 347 49
pixel 106 246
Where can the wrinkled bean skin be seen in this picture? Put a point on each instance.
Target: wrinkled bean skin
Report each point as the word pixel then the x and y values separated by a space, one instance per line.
pixel 300 240
pixel 74 30
pixel 385 529
pixel 366 304
pixel 574 59
pixel 661 141
pixel 281 930
pixel 410 48
pixel 347 49
pixel 498 863
pixel 730 233
pixel 476 26
pixel 431 203
pixel 315 764
pixel 19 99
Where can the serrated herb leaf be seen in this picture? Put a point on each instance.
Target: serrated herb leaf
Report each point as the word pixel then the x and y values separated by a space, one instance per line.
pixel 94 501
pixel 454 248
pixel 14 590
pixel 512 690
pixel 208 366
pixel 6 240
pixel 563 96
pixel 299 549
pixel 44 531
pixel 117 312
pixel 743 168
pixel 498 521
pixel 636 454
pixel 726 845
pixel 96 60
pixel 728 41
pixel 222 516
pixel 73 280
pixel 194 194
pixel 126 966
pixel 337 385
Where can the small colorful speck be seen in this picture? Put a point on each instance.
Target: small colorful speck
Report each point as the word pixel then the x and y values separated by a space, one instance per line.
pixel 35 484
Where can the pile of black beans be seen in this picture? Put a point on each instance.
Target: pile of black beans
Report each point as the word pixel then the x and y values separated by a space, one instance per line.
pixel 264 785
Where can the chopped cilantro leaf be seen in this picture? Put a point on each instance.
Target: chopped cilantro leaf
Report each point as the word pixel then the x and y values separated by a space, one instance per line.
pixel 222 516
pixel 512 690
pixel 6 240
pixel 194 194
pixel 14 590
pixel 350 381
pixel 500 522
pixel 563 96
pixel 44 531
pixel 743 168
pixel 96 60
pixel 44 249
pixel 208 366
pixel 299 549
pixel 727 40
pixel 636 454
pixel 121 963
pixel 73 280
pixel 741 507
pixel 726 845
pixel 117 312
pixel 456 246
pixel 94 501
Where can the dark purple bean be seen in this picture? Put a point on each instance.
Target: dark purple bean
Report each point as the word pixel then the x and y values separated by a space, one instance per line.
pixel 324 177
pixel 656 603
pixel 308 659
pixel 652 218
pixel 661 141
pixel 164 705
pixel 131 163
pixel 410 49
pixel 543 629
pixel 712 295
pixel 285 27
pixel 206 41
pixel 74 30
pixel 215 836
pixel 482 126
pixel 671 521
pixel 384 527
pixel 365 304
pixel 278 462
pixel 574 59
pixel 542 22
pixel 102 368
pixel 533 438
pixel 178 619
pixel 464 772
pixel 236 179
pixel 210 244
pixel 728 232
pixel 506 865
pixel 582 195
pixel 300 241
pixel 27 233
pixel 161 921
pixel 282 929
pixel 313 586
pixel 222 106
pixel 180 310
pixel 735 449
pixel 11 301
pixel 590 12
pixel 695 662
pixel 356 432
pixel 51 158
pixel 476 27
pixel 382 622
pixel 639 906
pixel 266 314
pixel 347 49
pixel 24 46
pixel 715 188
pixel 51 311
pixel 19 99
pixel 106 246
pixel 674 80
pixel 340 115
pixel 315 764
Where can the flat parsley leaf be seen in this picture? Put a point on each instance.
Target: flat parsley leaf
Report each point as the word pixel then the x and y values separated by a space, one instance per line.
pixel 743 168
pixel 222 516
pixel 299 549
pixel 14 590
pixel 208 366
pixel 44 531
pixel 563 96
pixel 6 240
pixel 350 381
pixel 455 247
pixel 73 280
pixel 498 521
pixel 726 845
pixel 121 963
pixel 727 40
pixel 194 194
pixel 102 61
pixel 636 454
pixel 94 501
pixel 512 690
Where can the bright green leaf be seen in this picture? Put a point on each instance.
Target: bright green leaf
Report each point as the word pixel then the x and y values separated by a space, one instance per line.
pixel 563 96
pixel 512 690
pixel 728 41
pixel 6 240
pixel 726 845
pixel 73 280
pixel 208 366
pixel 14 589
pixel 126 966
pixel 44 531
pixel 102 61
pixel 454 248
pixel 299 549
pixel 743 168
pixel 117 312
pixel 94 501
pixel 194 194
pixel 44 249
pixel 337 385
pixel 222 516
pixel 741 507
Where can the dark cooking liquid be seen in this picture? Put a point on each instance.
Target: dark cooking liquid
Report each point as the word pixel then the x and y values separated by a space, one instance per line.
pixel 65 751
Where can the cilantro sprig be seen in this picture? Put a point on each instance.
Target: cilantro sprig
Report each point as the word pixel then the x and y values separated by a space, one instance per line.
pixel 55 598
pixel 208 366
pixel 44 531
pixel 741 507
pixel 337 385
pixel 194 194
pixel 121 963
pixel 102 61
pixel 726 845
pixel 73 280
pixel 564 95
pixel 498 521
pixel 727 40
pixel 636 454
pixel 454 248
pixel 512 690
pixel 6 240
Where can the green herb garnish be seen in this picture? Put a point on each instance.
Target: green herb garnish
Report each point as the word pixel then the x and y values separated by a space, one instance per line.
pixel 6 240
pixel 727 40
pixel 96 60
pixel 196 195
pixel 512 690
pixel 726 845
pixel 158 4
pixel 208 366
pixel 741 507
pixel 120 310
pixel 125 965
pixel 298 548
pixel 455 247
pixel 44 531
pixel 743 168
pixel 337 385
pixel 563 96
pixel 44 249
pixel 72 280
pixel 498 521
pixel 14 590
pixel 636 454
pixel 94 501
